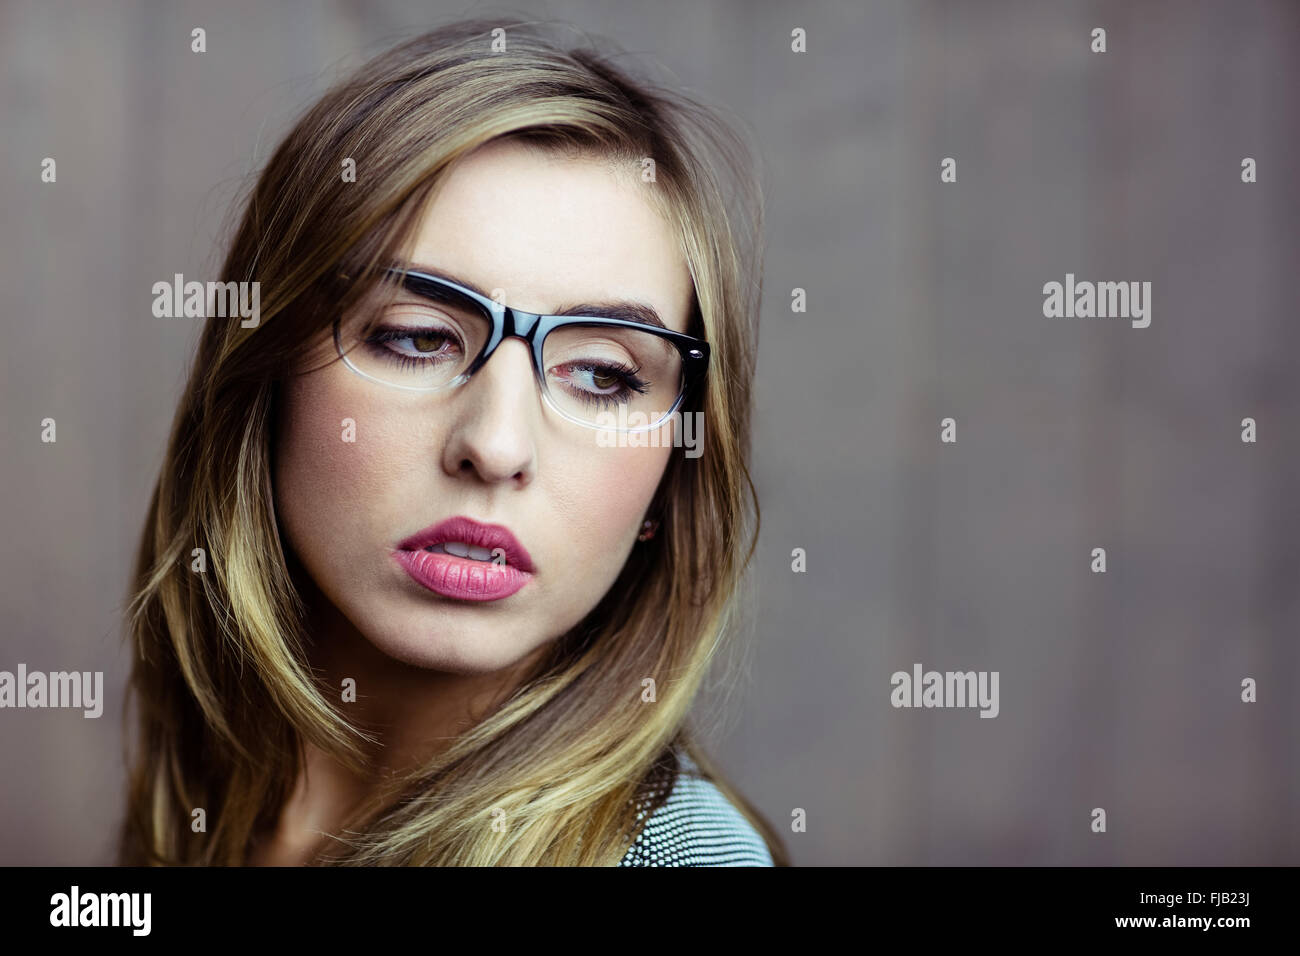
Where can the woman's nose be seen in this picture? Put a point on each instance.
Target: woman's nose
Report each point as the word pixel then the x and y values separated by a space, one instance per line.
pixel 494 418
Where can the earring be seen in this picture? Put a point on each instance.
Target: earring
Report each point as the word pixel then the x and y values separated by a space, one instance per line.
pixel 648 530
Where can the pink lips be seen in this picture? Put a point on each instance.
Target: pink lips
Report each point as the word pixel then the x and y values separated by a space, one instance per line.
pixel 466 579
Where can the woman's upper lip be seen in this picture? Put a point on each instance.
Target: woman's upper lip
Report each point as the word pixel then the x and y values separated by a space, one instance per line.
pixel 471 532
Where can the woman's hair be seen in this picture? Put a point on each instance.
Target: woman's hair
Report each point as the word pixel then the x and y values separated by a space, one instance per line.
pixel 225 690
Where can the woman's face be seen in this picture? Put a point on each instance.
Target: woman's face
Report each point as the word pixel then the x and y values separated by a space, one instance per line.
pixel 547 232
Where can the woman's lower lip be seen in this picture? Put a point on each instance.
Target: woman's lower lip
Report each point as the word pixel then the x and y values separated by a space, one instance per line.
pixel 462 578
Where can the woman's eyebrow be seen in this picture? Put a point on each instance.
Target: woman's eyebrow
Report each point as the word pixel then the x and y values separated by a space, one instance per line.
pixel 621 309
pixel 617 309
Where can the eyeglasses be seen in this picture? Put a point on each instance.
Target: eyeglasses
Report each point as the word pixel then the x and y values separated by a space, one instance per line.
pixel 604 373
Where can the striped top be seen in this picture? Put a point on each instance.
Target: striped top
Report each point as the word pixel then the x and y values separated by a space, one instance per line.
pixel 696 826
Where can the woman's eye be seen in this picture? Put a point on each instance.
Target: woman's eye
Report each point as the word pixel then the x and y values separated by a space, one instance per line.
pixel 600 380
pixel 416 344
pixel 603 382
pixel 425 343
pixel 591 378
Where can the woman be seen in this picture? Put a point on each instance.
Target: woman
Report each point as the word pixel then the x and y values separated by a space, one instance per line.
pixel 424 578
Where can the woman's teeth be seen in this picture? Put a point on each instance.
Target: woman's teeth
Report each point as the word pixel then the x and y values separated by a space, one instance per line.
pixel 462 550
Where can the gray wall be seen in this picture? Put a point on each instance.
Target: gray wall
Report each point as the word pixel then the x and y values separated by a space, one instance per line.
pixel 1118 690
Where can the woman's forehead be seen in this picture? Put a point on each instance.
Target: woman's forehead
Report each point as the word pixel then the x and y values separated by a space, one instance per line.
pixel 550 231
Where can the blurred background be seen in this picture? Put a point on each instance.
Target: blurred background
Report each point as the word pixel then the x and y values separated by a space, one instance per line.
pixel 924 301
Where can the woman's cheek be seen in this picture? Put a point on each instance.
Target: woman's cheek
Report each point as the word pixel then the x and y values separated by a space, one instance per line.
pixel 328 467
pixel 617 485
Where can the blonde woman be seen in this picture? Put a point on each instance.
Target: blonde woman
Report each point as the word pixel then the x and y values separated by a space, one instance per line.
pixel 461 577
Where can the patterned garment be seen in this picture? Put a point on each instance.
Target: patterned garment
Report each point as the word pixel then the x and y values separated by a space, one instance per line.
pixel 697 826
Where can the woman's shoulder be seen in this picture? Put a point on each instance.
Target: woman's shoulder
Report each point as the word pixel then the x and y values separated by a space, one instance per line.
pixel 697 826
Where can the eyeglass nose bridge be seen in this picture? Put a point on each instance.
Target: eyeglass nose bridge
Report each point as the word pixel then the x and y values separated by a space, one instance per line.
pixel 510 323
pixel 517 322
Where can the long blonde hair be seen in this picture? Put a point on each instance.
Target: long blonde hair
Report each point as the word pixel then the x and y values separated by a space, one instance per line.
pixel 225 692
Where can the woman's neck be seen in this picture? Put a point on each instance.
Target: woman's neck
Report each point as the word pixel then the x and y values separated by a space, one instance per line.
pixel 413 712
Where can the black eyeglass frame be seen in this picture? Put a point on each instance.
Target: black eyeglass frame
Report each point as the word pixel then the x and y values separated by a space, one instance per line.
pixel 533 328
